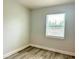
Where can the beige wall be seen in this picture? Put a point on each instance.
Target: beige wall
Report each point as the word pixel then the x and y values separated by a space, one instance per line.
pixel 16 26
pixel 38 28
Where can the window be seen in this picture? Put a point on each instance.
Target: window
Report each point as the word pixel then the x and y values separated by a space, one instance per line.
pixel 55 25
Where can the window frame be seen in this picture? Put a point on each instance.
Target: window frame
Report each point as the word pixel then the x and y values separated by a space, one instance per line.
pixel 56 37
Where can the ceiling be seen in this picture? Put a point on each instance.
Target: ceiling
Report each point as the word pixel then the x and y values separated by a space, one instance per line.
pixel 43 3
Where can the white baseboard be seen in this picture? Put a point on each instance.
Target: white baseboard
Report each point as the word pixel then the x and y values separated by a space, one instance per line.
pixel 15 51
pixel 55 50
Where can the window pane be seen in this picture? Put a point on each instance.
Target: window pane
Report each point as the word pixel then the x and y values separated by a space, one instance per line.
pixel 55 24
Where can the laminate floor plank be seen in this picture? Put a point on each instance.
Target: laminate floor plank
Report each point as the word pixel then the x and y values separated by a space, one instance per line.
pixel 37 53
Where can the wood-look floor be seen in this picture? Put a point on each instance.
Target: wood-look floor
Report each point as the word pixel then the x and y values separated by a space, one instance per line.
pixel 37 53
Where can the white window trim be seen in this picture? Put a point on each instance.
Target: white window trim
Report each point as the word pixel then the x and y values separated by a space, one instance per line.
pixel 56 37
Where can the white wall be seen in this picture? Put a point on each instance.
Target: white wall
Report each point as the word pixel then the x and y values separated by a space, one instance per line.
pixel 38 28
pixel 16 26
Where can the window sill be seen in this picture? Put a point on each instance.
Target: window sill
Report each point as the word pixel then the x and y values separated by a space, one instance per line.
pixel 56 37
